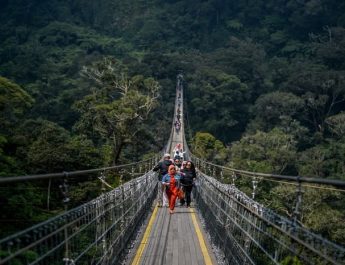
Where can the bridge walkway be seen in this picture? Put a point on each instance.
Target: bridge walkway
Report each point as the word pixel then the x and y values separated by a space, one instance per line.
pixel 173 239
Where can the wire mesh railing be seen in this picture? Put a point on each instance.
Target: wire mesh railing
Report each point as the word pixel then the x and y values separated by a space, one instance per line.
pixel 31 199
pixel 249 233
pixel 96 232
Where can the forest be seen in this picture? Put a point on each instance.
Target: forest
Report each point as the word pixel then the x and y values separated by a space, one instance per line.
pixel 86 84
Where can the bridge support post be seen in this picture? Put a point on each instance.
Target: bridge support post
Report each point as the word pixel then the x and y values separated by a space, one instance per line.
pixel 123 220
pixel 299 193
pixel 103 217
pixel 64 190
pixel 255 185
pixel 234 177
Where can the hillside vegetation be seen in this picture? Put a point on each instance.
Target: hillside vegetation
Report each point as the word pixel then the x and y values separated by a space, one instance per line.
pixel 86 84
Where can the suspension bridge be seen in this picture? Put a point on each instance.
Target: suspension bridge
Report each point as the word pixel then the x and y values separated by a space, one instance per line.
pixel 124 225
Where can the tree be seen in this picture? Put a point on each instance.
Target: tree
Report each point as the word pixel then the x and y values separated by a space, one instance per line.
pixel 329 46
pixel 272 152
pixel 218 103
pixel 47 147
pixel 325 160
pixel 48 153
pixel 270 109
pixel 322 91
pixel 8 164
pixel 336 124
pixel 13 103
pixel 206 146
pixel 118 105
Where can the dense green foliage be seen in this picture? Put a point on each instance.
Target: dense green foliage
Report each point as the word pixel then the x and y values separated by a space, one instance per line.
pixel 90 83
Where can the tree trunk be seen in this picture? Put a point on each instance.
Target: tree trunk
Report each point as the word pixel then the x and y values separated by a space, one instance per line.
pixel 117 152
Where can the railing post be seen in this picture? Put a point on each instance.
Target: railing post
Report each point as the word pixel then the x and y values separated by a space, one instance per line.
pixel 48 194
pixel 103 217
pixel 246 247
pixel 297 210
pixel 234 177
pixel 255 184
pixel 123 219
pixel 64 190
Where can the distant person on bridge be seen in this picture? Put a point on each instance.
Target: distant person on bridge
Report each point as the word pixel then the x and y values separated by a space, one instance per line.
pixel 178 162
pixel 178 147
pixel 178 152
pixel 177 126
pixel 162 167
pixel 187 181
pixel 171 181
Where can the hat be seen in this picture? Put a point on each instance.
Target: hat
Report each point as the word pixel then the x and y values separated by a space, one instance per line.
pixel 166 155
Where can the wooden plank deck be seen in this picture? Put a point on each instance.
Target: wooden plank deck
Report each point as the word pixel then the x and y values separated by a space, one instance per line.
pixel 174 240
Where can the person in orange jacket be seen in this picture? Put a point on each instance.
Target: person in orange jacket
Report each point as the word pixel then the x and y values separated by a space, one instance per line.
pixel 171 181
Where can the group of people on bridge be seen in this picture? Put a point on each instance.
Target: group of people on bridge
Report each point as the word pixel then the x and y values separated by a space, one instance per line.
pixel 178 113
pixel 177 123
pixel 176 177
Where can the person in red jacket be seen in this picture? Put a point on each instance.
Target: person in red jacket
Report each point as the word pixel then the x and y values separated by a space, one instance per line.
pixel 171 181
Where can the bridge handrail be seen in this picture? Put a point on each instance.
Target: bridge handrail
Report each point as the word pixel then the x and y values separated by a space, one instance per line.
pixel 236 200
pixel 126 204
pixel 333 182
pixel 66 174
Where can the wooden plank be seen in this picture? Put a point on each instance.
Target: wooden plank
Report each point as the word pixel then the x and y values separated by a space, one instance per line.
pixel 169 246
pixel 199 259
pixel 173 240
pixel 144 240
pixel 153 253
pixel 175 236
pixel 190 241
pixel 181 245
pixel 205 246
pixel 185 246
pixel 145 259
pixel 163 237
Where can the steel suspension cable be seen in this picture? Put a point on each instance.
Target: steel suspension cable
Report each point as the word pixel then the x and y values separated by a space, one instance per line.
pixel 332 182
pixel 66 174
